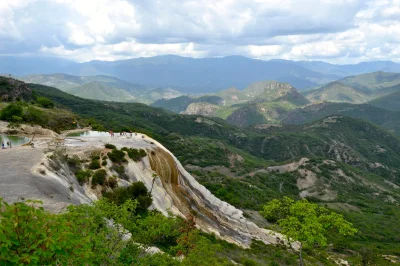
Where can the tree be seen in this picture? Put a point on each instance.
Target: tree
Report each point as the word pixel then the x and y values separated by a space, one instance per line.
pixel 185 241
pixel 305 222
pixel 11 111
pixel 83 235
pixel 45 102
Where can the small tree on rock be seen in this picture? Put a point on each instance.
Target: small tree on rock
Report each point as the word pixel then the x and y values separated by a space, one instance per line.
pixel 305 222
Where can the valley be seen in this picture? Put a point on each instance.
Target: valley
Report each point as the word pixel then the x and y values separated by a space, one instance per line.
pixel 218 156
pixel 200 133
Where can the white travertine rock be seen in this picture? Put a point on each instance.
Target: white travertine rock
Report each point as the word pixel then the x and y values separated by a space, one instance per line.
pixel 174 189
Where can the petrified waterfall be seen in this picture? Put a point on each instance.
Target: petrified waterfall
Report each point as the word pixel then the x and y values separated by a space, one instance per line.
pixel 189 197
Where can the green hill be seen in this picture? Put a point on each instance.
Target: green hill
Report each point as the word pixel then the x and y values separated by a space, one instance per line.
pixel 102 87
pixel 66 82
pixel 180 104
pixel 259 113
pixel 98 91
pixel 274 91
pixel 175 105
pixel 337 92
pixel 387 119
pixel 372 82
pixel 390 101
pixel 353 165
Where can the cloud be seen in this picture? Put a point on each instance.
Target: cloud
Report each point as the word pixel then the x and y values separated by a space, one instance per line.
pixel 333 30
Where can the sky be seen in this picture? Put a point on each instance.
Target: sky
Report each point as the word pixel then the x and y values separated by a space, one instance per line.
pixel 336 31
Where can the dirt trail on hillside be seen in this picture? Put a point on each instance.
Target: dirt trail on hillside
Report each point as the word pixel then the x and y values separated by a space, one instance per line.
pixel 17 182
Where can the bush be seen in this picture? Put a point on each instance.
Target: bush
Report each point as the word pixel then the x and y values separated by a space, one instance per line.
pixel 45 102
pixel 99 177
pixel 112 182
pixel 74 163
pixel 135 154
pixel 35 116
pixel 16 119
pixel 136 191
pixel 120 170
pixel 117 156
pixel 96 157
pixel 83 176
pixel 110 146
pixel 104 163
pixel 10 111
pixel 95 164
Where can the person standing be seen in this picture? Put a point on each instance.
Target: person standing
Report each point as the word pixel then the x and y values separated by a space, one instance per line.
pixel 2 145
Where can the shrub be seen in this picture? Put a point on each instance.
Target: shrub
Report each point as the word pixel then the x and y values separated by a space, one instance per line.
pixel 117 156
pixel 16 119
pixel 135 154
pixel 35 116
pixel 110 146
pixel 99 177
pixel 96 157
pixel 45 102
pixel 104 163
pixel 120 170
pixel 136 191
pixel 112 182
pixel 10 111
pixel 83 176
pixel 95 164
pixel 74 163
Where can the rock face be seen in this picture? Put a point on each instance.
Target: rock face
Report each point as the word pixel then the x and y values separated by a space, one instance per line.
pixel 275 91
pixel 174 188
pixel 11 89
pixel 201 108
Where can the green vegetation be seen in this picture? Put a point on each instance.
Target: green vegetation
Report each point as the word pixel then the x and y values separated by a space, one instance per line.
pixel 389 102
pixel 225 159
pixel 110 146
pixel 120 170
pixel 117 156
pixel 372 82
pixel 338 92
pixel 22 112
pixel 136 191
pixel 12 113
pixel 135 154
pixel 179 104
pixel 94 164
pixel 99 177
pixel 83 176
pixel 305 222
pixel 45 102
pixel 52 239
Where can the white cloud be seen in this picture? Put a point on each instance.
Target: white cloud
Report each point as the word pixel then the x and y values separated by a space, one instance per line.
pixel 8 25
pixel 324 49
pixel 123 50
pixel 332 30
pixel 260 51
pixel 78 36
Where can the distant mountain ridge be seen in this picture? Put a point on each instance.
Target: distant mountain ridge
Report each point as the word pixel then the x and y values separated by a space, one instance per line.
pixel 101 87
pixel 390 101
pixel 202 75
pixel 357 89
pixel 337 92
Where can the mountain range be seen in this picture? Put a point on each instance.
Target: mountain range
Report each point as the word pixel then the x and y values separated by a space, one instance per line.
pixel 100 87
pixel 190 75
pixel 271 102
pixel 339 155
